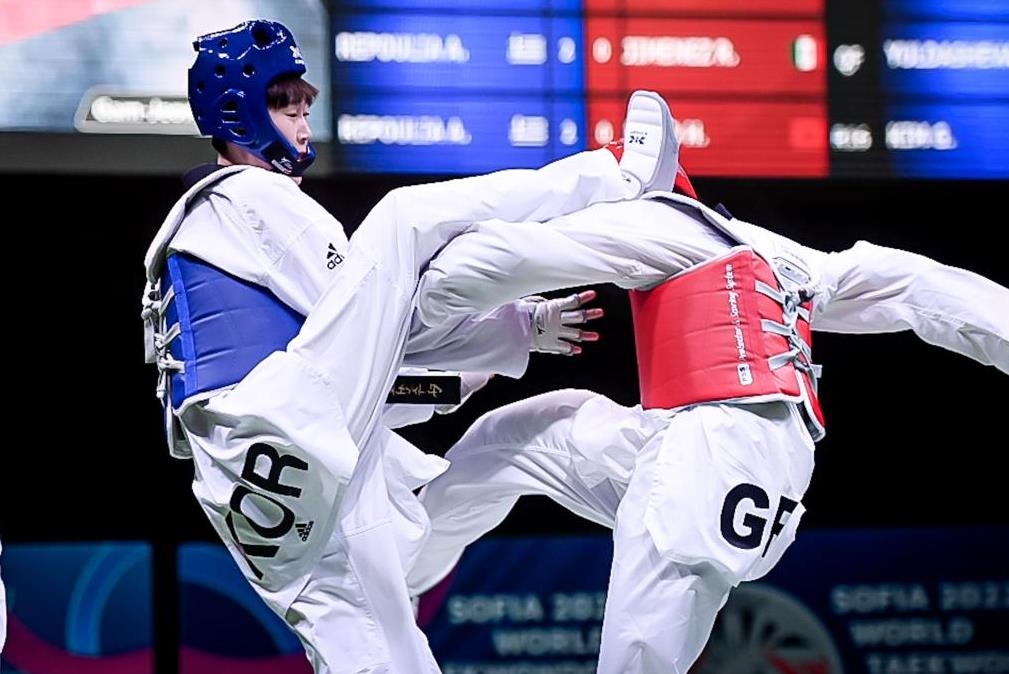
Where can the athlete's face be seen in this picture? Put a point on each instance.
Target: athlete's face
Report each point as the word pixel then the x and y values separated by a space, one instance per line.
pixel 292 121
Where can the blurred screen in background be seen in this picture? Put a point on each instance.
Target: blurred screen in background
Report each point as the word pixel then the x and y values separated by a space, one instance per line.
pixel 802 89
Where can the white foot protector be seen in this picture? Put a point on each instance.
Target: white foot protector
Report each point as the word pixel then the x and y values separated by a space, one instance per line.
pixel 651 149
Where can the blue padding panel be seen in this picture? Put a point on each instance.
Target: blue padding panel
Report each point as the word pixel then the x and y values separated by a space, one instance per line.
pixel 228 325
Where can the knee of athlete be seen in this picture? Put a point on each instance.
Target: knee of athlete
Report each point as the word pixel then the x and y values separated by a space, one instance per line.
pixel 506 430
pixel 476 439
pixel 492 431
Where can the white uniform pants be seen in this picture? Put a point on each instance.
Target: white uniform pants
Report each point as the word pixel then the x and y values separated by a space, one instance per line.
pixel 311 494
pixel 660 480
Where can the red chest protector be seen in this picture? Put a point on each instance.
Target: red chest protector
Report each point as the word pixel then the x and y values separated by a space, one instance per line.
pixel 725 331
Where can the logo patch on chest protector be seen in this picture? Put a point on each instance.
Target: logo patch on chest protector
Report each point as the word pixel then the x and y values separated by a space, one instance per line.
pixel 791 270
pixel 737 324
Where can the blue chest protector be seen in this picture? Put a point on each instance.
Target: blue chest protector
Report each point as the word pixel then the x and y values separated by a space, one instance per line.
pixel 217 327
pixel 225 326
pixel 206 329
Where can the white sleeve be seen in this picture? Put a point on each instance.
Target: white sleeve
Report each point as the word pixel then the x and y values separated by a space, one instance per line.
pixel 400 415
pixel 873 289
pixel 633 244
pixel 260 227
pixel 306 246
pixel 496 341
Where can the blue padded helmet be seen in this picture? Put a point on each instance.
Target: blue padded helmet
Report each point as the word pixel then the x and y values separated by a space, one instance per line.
pixel 228 86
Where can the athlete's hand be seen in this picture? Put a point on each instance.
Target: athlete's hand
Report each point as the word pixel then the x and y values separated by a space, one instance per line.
pixel 555 323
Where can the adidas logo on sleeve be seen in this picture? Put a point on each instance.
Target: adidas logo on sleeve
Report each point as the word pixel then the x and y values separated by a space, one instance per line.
pixel 333 257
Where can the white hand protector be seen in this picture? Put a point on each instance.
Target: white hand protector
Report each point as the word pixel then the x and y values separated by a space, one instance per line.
pixel 554 323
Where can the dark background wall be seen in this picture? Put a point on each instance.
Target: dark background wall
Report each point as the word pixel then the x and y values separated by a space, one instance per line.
pixel 915 433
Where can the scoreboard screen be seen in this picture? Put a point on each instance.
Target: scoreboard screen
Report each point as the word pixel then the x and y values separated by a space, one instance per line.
pixel 920 89
pixel 476 86
pixel 759 88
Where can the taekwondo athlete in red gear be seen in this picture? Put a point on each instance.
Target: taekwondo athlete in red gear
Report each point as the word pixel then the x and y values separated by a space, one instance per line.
pixel 703 482
pixel 277 342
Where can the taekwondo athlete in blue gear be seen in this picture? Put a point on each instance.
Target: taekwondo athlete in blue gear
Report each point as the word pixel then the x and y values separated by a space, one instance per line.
pixel 275 362
pixel 703 482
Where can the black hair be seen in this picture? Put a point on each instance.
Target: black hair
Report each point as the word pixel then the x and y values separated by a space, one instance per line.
pixel 290 90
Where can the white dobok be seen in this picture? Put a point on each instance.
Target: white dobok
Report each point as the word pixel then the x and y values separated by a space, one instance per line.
pixel 702 483
pixel 295 464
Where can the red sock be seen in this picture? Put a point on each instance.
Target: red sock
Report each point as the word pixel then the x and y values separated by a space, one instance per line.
pixel 616 147
pixel 683 184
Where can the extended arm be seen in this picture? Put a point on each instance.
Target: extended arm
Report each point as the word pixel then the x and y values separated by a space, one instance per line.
pixel 874 289
pixel 632 244
pixel 496 341
pixel 499 341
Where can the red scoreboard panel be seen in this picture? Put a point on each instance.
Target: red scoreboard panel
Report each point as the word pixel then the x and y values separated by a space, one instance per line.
pixel 726 138
pixel 747 80
pixel 706 57
pixel 715 7
pixel 708 7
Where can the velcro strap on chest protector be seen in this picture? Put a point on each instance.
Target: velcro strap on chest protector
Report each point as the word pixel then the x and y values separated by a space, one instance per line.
pixel 723 331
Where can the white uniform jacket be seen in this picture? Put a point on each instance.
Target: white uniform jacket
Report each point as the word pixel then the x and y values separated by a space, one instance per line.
pixel 295 467
pixel 641 243
pixel 700 498
pixel 865 289
pixel 259 226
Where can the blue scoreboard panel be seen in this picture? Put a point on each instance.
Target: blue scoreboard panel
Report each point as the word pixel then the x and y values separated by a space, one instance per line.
pixel 470 86
pixel 920 89
pixel 809 88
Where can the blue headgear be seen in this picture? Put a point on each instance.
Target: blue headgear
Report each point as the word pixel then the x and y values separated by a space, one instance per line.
pixel 228 84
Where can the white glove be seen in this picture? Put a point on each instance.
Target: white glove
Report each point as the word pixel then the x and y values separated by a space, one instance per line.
pixel 552 322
